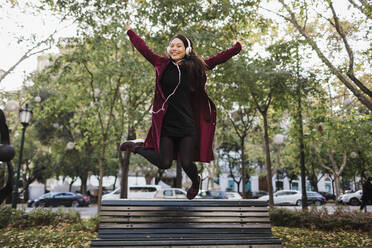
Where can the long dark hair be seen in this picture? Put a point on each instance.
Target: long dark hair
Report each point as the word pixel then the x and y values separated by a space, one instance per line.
pixel 193 64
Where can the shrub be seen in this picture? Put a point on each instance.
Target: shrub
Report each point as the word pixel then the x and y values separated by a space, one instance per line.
pixel 5 213
pixel 321 219
pixel 37 217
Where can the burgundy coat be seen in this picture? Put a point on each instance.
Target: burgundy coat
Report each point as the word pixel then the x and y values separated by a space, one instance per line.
pixel 203 108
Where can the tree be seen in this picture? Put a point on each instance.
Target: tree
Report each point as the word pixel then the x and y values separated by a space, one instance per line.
pixel 334 141
pixel 36 163
pixel 229 154
pixel 267 87
pixel 344 32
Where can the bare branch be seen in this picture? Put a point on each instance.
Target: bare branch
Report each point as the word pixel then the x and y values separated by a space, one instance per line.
pixel 271 11
pixel 350 53
pixel 325 18
pixel 93 96
pixel 235 127
pixel 30 52
pixel 360 7
pixel 341 32
pixel 321 161
pixel 359 83
pixel 355 5
pixel 116 94
pixel 361 97
pixel 268 102
pixel 306 18
pixel 343 163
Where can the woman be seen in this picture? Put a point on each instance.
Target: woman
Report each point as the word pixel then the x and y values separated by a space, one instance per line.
pixel 183 116
pixel 366 194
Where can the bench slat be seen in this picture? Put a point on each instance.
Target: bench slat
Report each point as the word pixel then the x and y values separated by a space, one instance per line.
pixel 186 225
pixel 135 236
pixel 211 203
pixel 185 242
pixel 183 220
pixel 200 246
pixel 145 231
pixel 184 214
pixel 183 208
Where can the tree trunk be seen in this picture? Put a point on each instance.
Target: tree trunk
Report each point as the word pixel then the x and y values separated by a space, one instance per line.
pixel 244 177
pixel 70 185
pixel 302 155
pixel 337 184
pixel 148 178
pixel 124 166
pixel 159 176
pixel 268 162
pixel 211 172
pixel 124 175
pixel 313 181
pixel 101 163
pixel 115 180
pixel 83 186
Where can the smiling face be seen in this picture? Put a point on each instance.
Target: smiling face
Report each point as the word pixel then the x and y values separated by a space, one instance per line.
pixel 177 50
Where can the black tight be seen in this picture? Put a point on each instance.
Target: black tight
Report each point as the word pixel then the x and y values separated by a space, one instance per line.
pixel 168 145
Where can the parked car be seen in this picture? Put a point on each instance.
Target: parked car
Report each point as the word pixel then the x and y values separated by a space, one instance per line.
pixel 213 194
pixel 294 197
pixel 171 193
pixel 53 199
pixel 135 192
pixel 258 193
pixel 315 198
pixel 353 199
pixel 327 195
pixel 233 196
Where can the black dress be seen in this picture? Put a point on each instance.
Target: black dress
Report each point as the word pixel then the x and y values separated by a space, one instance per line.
pixel 178 120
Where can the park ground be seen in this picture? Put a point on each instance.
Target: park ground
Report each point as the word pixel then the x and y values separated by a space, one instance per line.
pixel 80 233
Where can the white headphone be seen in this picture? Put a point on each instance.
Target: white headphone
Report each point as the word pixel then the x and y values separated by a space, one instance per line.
pixel 188 48
pixel 174 91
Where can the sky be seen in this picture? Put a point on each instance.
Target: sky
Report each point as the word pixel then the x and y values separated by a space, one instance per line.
pixel 15 23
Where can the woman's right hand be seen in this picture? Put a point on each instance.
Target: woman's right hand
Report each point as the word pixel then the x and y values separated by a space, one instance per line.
pixel 127 24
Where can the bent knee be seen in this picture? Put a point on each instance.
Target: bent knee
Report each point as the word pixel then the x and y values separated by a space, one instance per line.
pixel 165 164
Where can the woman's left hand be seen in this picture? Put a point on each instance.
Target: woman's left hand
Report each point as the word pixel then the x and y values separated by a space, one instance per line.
pixel 127 24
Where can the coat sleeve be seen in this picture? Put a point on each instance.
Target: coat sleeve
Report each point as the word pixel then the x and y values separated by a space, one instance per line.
pixel 141 46
pixel 223 56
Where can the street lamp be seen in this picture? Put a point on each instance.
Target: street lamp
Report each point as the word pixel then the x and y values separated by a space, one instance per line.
pixel 25 116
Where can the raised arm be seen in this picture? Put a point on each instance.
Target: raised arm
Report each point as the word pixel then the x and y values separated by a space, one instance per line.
pixel 141 46
pixel 223 56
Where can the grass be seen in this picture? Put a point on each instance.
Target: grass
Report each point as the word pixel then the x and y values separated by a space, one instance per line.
pixel 80 234
pixel 60 236
pixel 292 237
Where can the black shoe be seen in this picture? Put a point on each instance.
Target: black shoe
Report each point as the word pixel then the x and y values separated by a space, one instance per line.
pixel 193 190
pixel 131 145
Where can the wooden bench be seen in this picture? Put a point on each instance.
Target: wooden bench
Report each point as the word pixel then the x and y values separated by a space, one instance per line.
pixel 184 223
